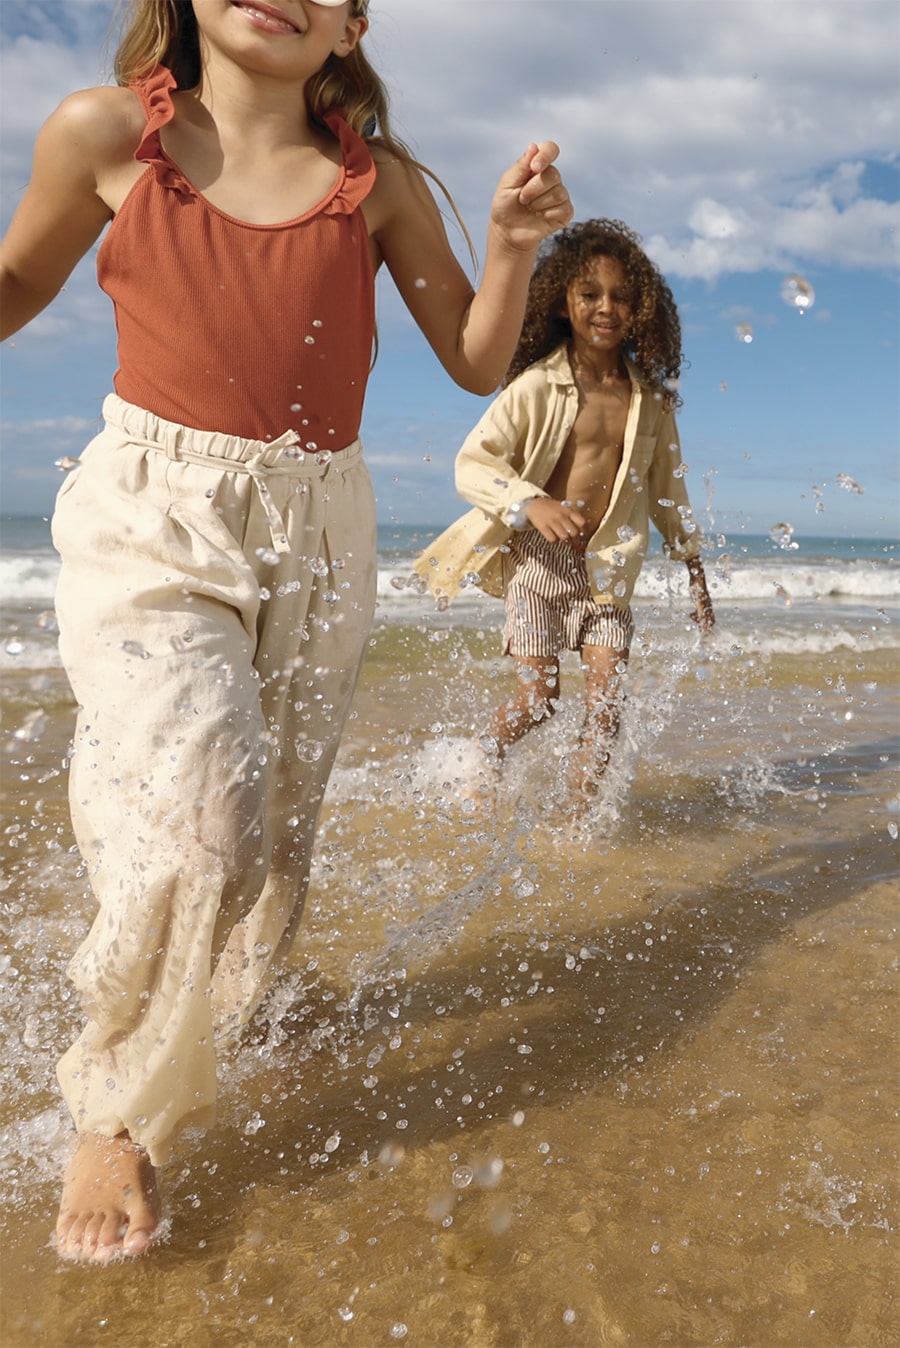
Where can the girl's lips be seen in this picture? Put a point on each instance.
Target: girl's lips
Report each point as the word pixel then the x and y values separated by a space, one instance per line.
pixel 267 17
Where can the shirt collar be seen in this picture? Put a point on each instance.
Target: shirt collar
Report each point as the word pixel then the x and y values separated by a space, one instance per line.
pixel 559 369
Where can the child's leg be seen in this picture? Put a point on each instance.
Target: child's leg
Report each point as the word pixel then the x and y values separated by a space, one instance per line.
pixel 534 699
pixel 603 668
pixel 535 583
pixel 537 689
pixel 160 600
pixel 167 805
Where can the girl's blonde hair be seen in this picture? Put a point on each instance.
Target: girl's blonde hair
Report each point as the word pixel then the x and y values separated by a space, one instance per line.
pixel 164 32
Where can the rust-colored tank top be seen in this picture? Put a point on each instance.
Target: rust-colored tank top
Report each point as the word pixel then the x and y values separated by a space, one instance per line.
pixel 250 330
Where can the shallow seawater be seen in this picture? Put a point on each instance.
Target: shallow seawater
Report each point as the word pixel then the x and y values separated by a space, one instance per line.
pixel 522 1085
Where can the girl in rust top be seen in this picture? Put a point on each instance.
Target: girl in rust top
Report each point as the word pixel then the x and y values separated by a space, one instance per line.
pixel 218 539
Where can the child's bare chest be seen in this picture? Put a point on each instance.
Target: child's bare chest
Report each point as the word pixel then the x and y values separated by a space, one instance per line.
pixel 589 463
pixel 602 417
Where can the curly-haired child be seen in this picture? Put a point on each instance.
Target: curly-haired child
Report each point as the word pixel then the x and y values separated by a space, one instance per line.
pixel 566 469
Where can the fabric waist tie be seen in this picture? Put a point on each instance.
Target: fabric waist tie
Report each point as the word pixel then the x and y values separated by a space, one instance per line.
pixel 258 459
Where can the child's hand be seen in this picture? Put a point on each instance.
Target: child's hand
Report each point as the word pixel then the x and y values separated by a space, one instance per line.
pixel 558 521
pixel 531 200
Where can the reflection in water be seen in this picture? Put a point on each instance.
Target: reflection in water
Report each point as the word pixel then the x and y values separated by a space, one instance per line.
pixel 523 1086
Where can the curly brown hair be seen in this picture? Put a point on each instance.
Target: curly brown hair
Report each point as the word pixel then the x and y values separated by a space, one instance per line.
pixel 654 343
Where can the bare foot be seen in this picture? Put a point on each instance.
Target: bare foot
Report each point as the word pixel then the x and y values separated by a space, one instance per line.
pixel 110 1206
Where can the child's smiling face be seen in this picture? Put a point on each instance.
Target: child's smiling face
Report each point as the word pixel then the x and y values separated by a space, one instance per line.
pixel 600 304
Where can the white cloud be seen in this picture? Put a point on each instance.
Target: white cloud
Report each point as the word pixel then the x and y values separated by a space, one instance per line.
pixel 675 115
pixel 664 106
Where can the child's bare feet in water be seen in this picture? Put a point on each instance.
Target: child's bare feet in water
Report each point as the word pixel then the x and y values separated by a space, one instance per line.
pixel 110 1205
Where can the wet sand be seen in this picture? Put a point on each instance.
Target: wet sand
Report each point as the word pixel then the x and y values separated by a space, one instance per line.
pixel 521 1088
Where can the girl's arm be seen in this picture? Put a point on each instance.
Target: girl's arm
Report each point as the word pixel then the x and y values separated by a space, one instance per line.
pixel 473 333
pixel 62 213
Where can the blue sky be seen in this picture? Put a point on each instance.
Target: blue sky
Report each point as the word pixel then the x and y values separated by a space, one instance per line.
pixel 747 140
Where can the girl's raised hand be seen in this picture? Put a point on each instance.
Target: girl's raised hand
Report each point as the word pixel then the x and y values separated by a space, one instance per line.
pixel 531 200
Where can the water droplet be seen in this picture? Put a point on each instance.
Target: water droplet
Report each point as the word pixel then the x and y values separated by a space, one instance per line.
pixel 135 648
pixel 462 1177
pixel 797 292
pixel 782 535
pixel 391 1155
pixel 317 322
pixel 399 1331
pixel 32 727
pixel 420 283
pixel 310 341
pixel 14 647
pixel 296 407
pixel 268 556
pixel 209 493
pixel 625 533
pixel 66 463
pixel 846 481
pixel 743 332
pixel 323 458
pixel 489 1172
pixel 309 751
pixel 333 1142
pixel 318 566
pixel 664 501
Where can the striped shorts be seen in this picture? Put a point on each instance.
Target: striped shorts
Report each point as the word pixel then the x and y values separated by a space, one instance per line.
pixel 549 605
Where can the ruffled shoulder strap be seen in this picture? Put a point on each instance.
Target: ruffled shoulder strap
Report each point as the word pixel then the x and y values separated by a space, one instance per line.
pixel 155 94
pixel 359 173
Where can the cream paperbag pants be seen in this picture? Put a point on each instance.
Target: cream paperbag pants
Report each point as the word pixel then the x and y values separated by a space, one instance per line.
pixel 214 601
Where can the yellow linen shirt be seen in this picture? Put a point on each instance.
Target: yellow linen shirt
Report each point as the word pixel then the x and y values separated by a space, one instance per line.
pixel 511 453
